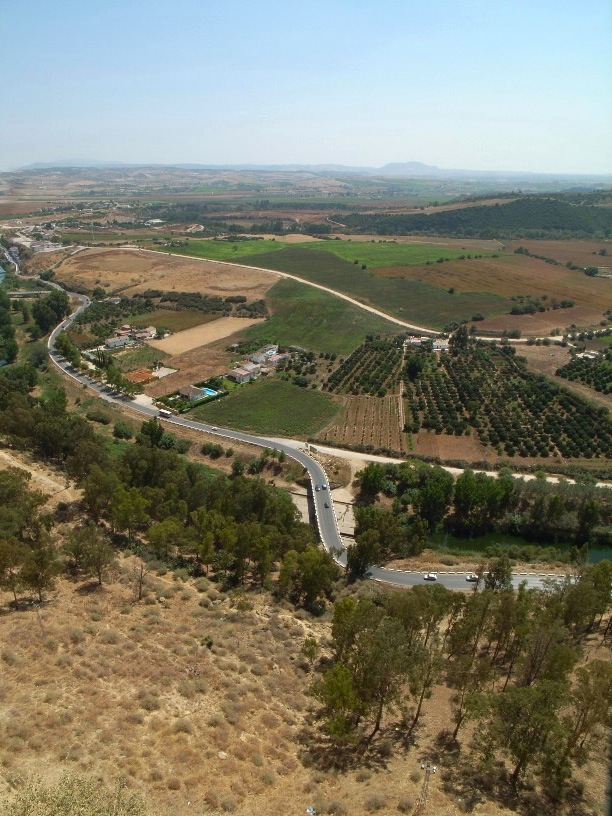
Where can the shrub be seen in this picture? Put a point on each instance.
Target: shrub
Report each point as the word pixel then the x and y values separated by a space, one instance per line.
pixel 95 415
pixel 375 802
pixel 405 804
pixel 122 430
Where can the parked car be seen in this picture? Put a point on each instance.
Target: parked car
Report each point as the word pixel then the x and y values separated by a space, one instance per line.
pixel 430 576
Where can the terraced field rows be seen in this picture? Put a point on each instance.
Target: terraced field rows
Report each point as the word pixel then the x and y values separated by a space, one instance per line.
pixel 370 422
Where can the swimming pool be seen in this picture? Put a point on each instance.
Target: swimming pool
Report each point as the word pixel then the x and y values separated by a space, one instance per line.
pixel 209 392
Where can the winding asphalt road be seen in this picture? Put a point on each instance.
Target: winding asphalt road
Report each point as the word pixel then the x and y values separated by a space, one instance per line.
pixel 323 503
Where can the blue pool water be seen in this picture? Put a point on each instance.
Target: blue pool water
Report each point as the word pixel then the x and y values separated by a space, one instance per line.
pixel 209 392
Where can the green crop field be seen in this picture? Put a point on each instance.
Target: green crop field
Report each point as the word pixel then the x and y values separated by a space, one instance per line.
pixel 223 250
pixel 412 300
pixel 307 317
pixel 271 407
pixel 143 357
pixel 171 320
pixel 380 255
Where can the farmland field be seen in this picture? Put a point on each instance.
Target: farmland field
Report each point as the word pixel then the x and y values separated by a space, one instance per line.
pixel 373 368
pixel 172 320
pixel 216 329
pixel 415 300
pixel 580 253
pixel 129 271
pixel 143 357
pixel 596 374
pixel 368 423
pixel 388 253
pixel 516 413
pixel 307 317
pixel 224 250
pixel 271 407
pixel 511 275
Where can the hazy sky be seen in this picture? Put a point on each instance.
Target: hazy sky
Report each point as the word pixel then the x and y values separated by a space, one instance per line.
pixel 480 84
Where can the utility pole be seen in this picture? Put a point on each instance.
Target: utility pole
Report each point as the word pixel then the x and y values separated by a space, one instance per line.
pixel 429 770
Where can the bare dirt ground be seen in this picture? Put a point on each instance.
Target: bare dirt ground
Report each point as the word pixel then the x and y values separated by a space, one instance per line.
pixel 196 365
pixel 427 443
pixel 132 271
pixel 189 339
pixel 45 260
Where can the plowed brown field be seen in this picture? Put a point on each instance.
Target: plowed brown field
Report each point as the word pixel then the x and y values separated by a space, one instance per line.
pixel 580 253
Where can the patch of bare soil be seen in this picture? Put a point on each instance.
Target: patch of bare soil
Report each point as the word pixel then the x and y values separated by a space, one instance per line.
pixel 198 336
pixel 542 324
pixel 427 443
pixel 45 260
pixel 129 271
pixel 193 366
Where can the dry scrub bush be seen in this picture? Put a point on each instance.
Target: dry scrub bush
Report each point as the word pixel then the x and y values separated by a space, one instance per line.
pixel 377 801
pixel 110 637
pixel 182 726
pixel 405 804
pixel 73 796
pixel 335 809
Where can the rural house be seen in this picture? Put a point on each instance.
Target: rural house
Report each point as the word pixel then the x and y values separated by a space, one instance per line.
pixel 239 375
pixel 191 393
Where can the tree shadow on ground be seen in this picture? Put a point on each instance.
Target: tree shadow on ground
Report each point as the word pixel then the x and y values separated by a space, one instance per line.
pixel 470 784
pixel 89 588
pixel 320 752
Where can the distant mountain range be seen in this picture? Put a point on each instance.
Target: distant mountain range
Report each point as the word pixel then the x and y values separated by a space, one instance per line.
pixel 411 169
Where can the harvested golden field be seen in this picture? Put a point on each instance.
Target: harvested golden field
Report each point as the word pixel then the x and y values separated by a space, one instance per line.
pixel 202 335
pixel 128 271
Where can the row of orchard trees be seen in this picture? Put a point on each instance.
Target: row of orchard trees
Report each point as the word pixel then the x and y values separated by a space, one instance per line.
pixel 514 660
pixel 428 498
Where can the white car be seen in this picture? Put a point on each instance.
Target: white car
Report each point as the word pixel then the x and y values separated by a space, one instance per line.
pixel 472 578
pixel 430 576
